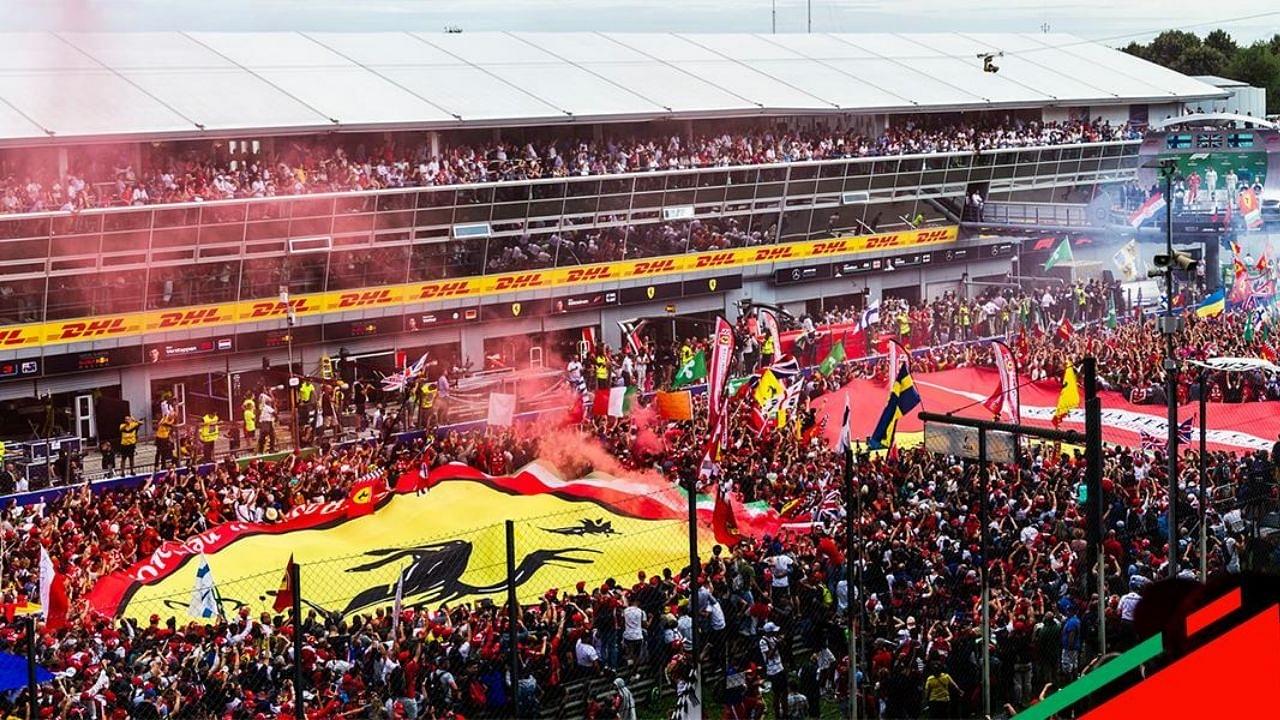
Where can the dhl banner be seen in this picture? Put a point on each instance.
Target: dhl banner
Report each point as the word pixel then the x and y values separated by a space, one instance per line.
pixel 13 337
pixel 588 529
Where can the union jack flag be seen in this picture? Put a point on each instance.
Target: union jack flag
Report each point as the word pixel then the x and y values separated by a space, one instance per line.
pixel 1151 443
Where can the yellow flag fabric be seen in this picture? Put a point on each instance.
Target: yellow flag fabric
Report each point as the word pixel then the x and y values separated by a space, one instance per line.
pixel 769 391
pixel 438 541
pixel 1069 398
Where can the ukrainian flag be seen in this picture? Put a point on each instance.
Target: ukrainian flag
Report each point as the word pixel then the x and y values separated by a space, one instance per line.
pixel 1212 305
pixel 903 398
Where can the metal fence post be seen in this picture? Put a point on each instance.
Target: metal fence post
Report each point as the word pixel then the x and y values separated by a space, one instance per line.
pixel 986 585
pixel 1093 489
pixel 513 615
pixel 849 520
pixel 33 689
pixel 1204 477
pixel 695 569
pixel 295 574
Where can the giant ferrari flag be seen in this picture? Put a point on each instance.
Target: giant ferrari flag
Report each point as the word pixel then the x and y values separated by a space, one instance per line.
pixel 445 543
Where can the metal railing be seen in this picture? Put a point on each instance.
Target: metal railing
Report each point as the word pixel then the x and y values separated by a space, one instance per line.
pixel 195 253
pixel 1030 214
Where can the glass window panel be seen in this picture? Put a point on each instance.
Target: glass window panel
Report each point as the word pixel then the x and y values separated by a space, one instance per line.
pixel 192 284
pixel 87 294
pixel 319 207
pixel 367 268
pixel 21 301
pixel 24 250
pixel 25 228
pixel 230 213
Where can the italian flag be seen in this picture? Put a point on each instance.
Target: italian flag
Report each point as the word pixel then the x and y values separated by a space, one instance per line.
pixel 614 401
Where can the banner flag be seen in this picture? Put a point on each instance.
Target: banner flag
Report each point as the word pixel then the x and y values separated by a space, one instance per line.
pixel 598 525
pixel 718 373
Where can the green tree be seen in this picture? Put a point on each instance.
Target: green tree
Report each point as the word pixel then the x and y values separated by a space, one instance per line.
pixel 1137 49
pixel 1170 45
pixel 1201 60
pixel 1259 66
pixel 1221 41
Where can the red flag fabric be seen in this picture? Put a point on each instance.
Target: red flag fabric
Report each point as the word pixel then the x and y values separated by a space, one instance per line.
pixel 576 412
pixel 718 370
pixel 1065 329
pixel 284 596
pixel 995 402
pixel 55 616
pixel 723 522
pixel 600 403
pixel 360 501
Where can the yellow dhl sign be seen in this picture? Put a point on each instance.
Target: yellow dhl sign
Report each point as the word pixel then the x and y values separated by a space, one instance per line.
pixel 13 337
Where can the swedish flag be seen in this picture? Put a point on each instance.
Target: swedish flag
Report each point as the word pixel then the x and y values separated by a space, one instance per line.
pixel 903 398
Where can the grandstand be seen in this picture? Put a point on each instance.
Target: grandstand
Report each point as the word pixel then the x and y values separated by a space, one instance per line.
pixel 487 196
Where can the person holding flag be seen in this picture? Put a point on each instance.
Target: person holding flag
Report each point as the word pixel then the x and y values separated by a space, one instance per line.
pixel 903 399
pixel 693 369
pixel 205 602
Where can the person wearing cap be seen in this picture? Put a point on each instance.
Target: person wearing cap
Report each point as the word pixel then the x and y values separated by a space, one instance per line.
pixel 266 423
pixel 775 671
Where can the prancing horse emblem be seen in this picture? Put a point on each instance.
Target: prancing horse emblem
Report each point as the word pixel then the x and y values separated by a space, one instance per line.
pixel 586 526
pixel 435 574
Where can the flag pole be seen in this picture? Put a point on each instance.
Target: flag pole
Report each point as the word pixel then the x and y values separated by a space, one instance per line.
pixel 850 517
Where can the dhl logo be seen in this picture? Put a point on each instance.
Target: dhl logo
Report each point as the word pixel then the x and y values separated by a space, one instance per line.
pixel 364 299
pixel 589 274
pixel 277 308
pixel 927 236
pixel 519 282
pixel 92 328
pixel 882 241
pixel 717 259
pixel 455 288
pixel 14 336
pixel 189 318
pixel 653 267
pixel 773 253
pixel 830 247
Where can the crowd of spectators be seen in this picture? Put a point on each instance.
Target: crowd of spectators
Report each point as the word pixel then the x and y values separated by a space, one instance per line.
pixel 301 167
pixel 771 610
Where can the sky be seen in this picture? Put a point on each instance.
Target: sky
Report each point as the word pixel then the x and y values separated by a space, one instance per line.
pixel 1114 22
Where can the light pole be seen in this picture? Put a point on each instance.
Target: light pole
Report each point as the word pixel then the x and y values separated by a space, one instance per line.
pixel 1169 326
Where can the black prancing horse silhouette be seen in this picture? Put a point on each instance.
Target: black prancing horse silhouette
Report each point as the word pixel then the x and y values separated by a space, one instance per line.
pixel 435 575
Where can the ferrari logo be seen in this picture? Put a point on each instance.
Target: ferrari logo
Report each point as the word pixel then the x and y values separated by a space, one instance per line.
pixel 515 309
pixel 650 291
pixel 363 495
pixel 712 284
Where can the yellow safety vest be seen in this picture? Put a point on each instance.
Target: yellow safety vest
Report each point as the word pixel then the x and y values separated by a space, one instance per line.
pixel 209 428
pixel 767 346
pixel 164 428
pixel 129 433
pixel 427 395
pixel 305 390
pixel 602 367
pixel 250 425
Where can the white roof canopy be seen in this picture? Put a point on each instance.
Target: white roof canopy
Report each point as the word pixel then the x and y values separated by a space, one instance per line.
pixel 90 86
